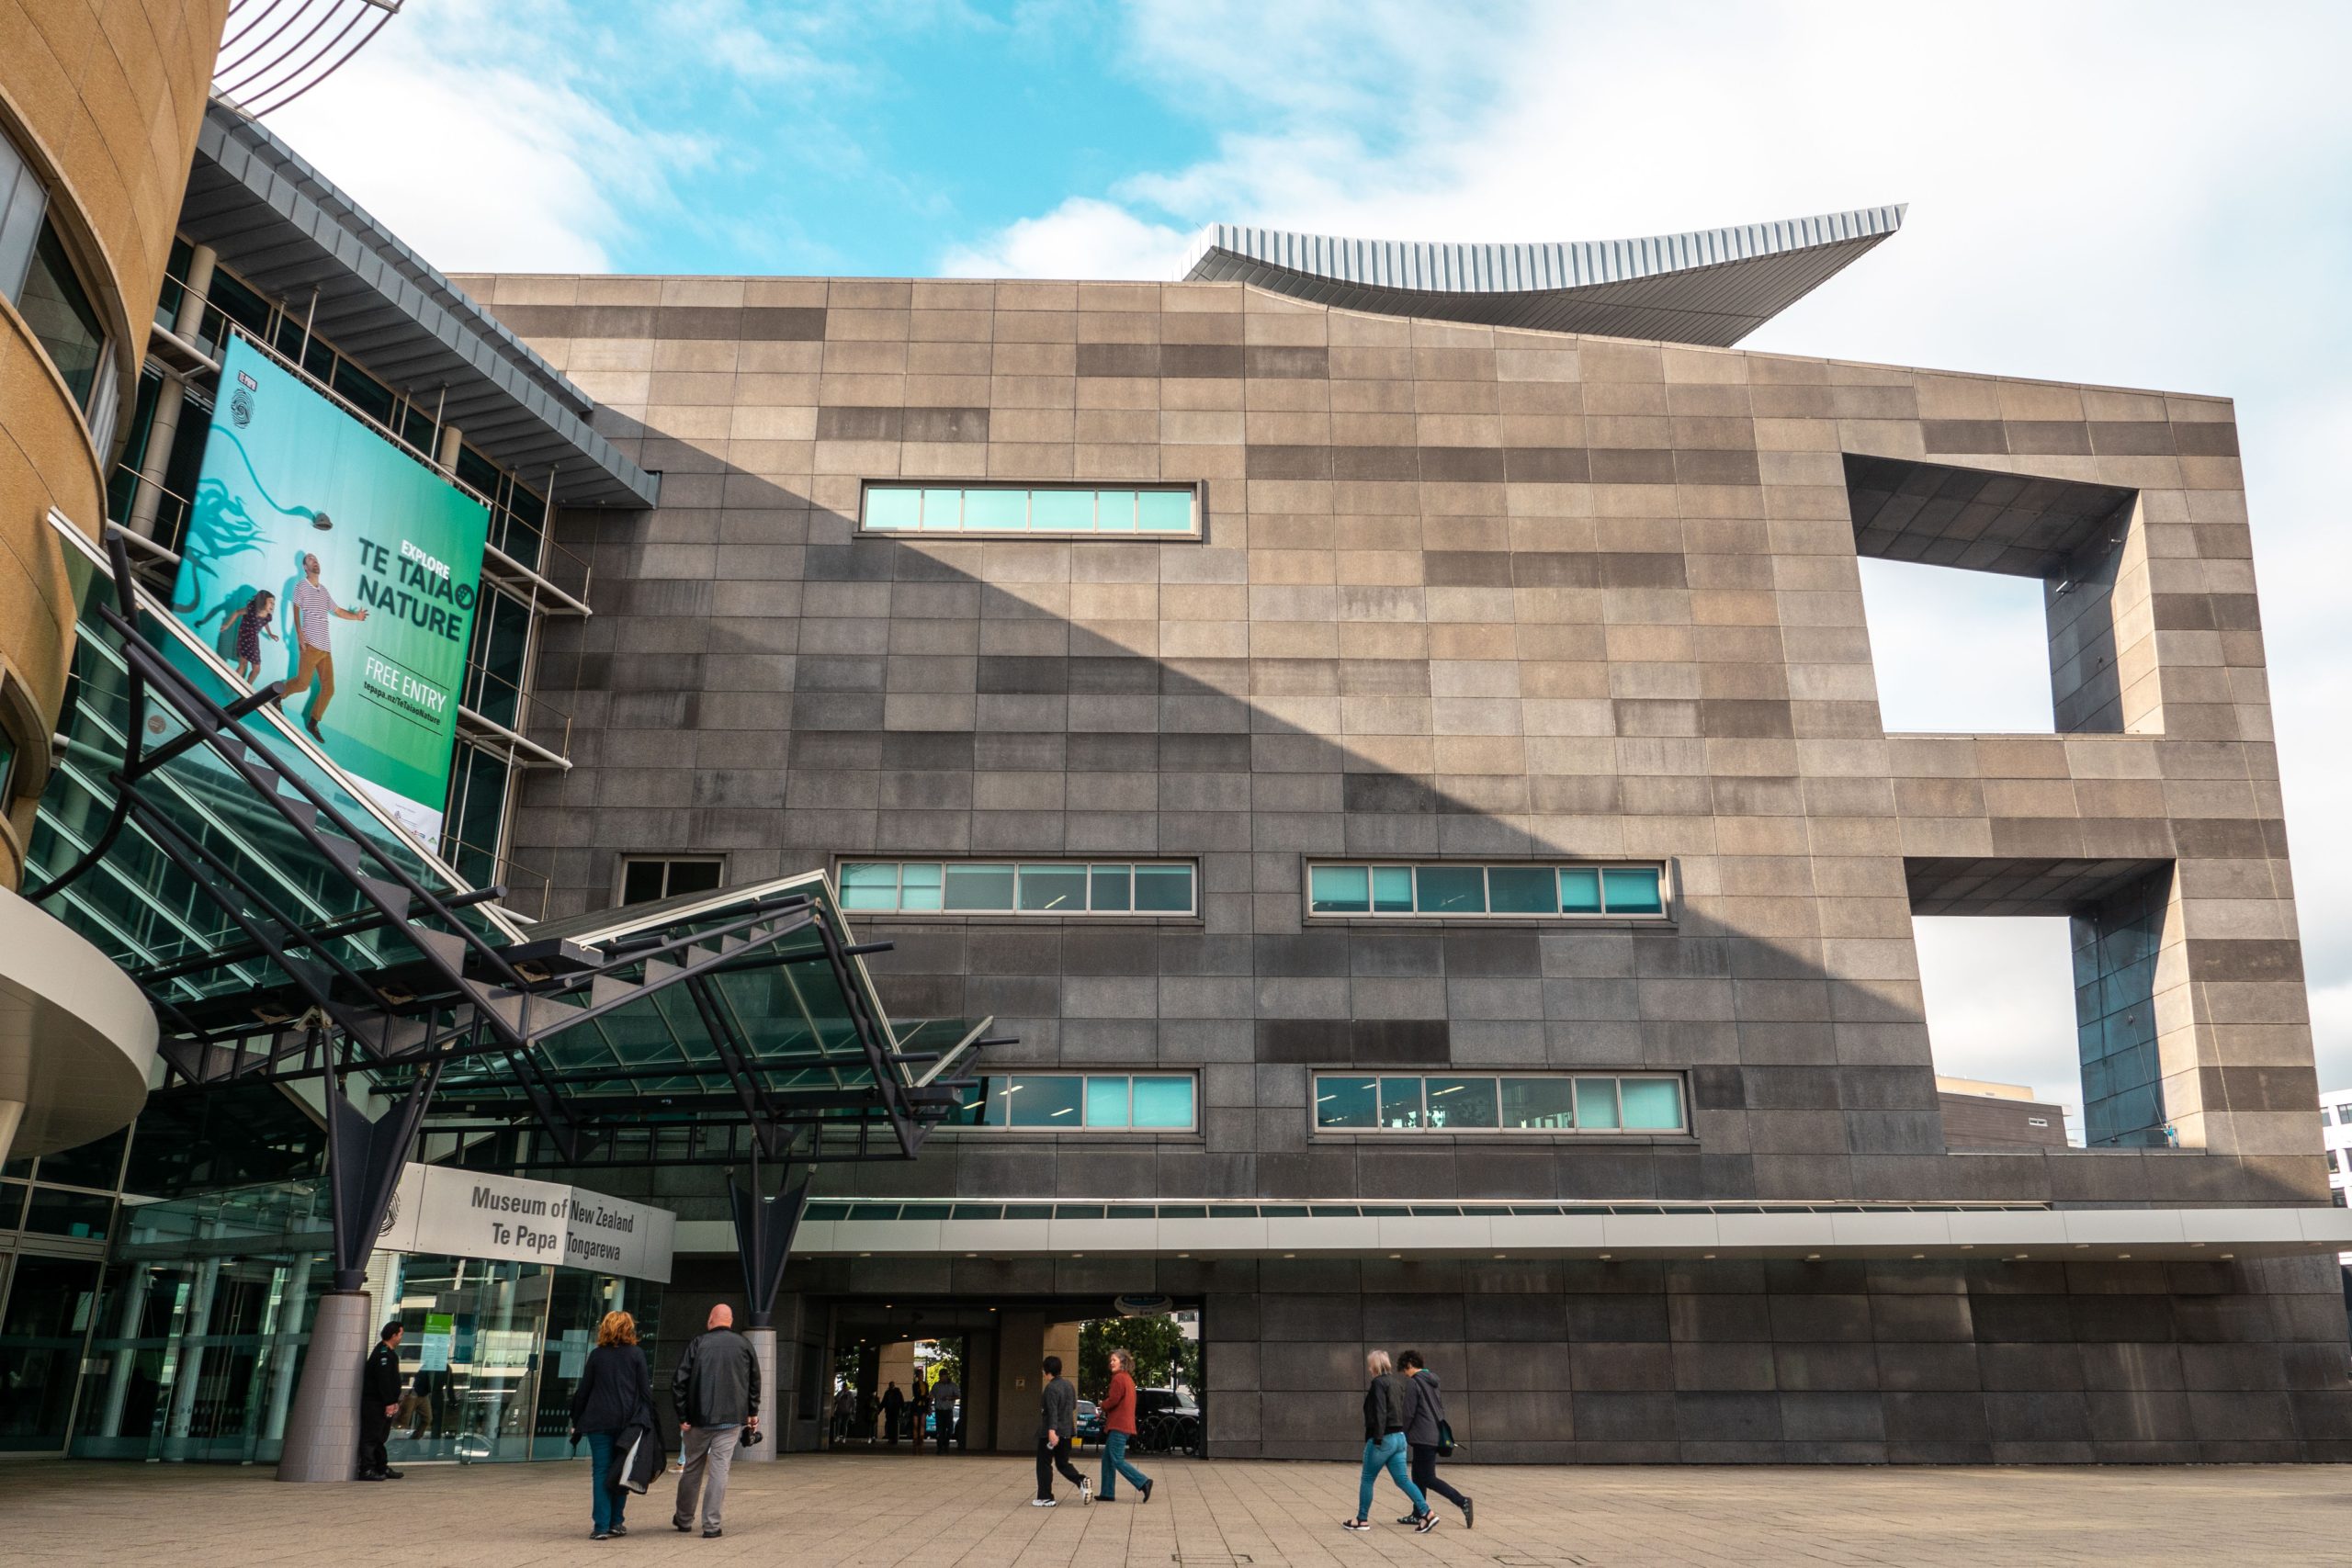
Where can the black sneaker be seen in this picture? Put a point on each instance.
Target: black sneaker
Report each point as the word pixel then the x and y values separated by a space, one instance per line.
pixel 681 1526
pixel 1407 1518
pixel 389 1474
pixel 1425 1524
pixel 712 1535
pixel 367 1475
pixel 1147 1493
pixel 602 1535
pixel 1469 1513
pixel 620 1529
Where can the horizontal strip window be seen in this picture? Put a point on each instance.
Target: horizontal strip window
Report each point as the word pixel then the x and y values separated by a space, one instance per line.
pixel 1456 891
pixel 1074 510
pixel 1478 1102
pixel 1074 1102
pixel 867 1211
pixel 1019 887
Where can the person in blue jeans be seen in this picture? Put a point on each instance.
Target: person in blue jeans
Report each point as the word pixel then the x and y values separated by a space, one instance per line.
pixel 615 1392
pixel 1118 1412
pixel 1385 1448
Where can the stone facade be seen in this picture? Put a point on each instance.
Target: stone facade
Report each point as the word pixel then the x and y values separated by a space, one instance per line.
pixel 101 99
pixel 1485 594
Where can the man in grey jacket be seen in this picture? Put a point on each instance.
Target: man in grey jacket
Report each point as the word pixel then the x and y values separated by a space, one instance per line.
pixel 1057 1427
pixel 718 1394
pixel 1424 1410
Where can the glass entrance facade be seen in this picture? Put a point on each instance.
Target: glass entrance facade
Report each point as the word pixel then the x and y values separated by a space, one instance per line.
pixel 196 1339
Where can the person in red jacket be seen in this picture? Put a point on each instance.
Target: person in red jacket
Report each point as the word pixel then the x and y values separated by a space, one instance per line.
pixel 1118 1412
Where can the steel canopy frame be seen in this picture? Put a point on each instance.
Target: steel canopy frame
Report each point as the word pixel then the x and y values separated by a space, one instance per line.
pixel 475 1007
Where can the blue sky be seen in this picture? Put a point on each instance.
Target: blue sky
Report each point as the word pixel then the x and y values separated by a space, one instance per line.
pixel 2143 195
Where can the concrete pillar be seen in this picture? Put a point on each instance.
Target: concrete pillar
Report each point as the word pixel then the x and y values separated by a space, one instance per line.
pixel 771 1422
pixel 134 1306
pixel 187 1366
pixel 322 1432
pixel 147 500
pixel 451 439
pixel 189 319
pixel 293 1302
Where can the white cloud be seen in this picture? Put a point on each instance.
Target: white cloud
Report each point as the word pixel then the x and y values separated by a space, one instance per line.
pixel 467 131
pixel 1080 238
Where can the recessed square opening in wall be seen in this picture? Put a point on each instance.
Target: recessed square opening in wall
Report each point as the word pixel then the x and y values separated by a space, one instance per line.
pixel 2001 1025
pixel 1957 653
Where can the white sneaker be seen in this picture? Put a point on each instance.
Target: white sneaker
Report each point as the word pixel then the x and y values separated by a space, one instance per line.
pixel 1086 1490
pixel 1041 1502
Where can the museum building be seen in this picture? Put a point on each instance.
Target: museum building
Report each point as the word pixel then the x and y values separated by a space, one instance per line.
pixel 1344 792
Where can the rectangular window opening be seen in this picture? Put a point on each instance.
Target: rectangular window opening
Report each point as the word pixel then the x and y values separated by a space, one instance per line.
pixel 1051 511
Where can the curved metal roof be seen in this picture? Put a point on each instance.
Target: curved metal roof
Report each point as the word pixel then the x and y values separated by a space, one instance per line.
pixel 1711 286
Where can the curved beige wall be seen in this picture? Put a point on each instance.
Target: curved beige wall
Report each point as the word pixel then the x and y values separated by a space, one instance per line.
pixel 103 97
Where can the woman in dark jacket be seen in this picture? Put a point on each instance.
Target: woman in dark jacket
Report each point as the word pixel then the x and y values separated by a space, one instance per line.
pixel 1384 1446
pixel 614 1391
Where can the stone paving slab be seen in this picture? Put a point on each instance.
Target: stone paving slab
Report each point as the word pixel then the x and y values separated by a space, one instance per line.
pixel 824 1511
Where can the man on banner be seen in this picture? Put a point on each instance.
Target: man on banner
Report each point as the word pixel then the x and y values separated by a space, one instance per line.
pixel 315 612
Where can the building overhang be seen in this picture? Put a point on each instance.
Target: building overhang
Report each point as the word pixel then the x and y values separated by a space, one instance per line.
pixel 286 229
pixel 1710 287
pixel 77 1038
pixel 1592 1232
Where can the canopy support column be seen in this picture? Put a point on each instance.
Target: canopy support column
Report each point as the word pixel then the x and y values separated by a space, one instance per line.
pixel 763 1230
pixel 364 1159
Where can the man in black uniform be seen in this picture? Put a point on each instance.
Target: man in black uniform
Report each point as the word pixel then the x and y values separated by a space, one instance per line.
pixel 379 1401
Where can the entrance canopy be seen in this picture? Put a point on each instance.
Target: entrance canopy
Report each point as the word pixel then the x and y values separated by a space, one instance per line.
pixel 284 928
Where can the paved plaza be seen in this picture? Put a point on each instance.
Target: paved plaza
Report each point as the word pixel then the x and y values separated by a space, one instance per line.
pixel 821 1511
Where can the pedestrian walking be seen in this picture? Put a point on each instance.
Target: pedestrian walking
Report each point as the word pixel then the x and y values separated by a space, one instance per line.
pixel 1057 1429
pixel 718 1394
pixel 615 1394
pixel 944 1395
pixel 1384 1446
pixel 921 1404
pixel 379 1401
pixel 844 1412
pixel 1429 1434
pixel 1118 1412
pixel 893 1402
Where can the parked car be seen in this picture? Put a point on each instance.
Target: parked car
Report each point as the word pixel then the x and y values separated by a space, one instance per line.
pixel 1167 1421
pixel 1089 1426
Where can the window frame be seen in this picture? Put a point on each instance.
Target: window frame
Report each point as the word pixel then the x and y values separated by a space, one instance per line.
pixel 1665 915
pixel 999 1086
pixel 1195 489
pixel 666 861
pixel 1017 864
pixel 1616 1078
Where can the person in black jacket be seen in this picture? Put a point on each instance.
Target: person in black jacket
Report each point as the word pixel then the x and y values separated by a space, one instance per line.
pixel 893 1403
pixel 615 1393
pixel 1056 1426
pixel 1384 1446
pixel 1424 1416
pixel 718 1394
pixel 379 1401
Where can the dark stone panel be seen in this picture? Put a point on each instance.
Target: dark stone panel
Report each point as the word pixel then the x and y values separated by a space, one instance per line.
pixel 2205 439
pixel 1621 466
pixel 1625 1417
pixel 1393 465
pixel 1284 363
pixel 1851 1417
pixel 839 422
pixel 1118 359
pixel 1620 1368
pixel 1547 465
pixel 1194 361
pixel 1969 435
pixel 1467 569
pixel 1288 462
pixel 1620 1317
pixel 1474 464
pixel 1727 1417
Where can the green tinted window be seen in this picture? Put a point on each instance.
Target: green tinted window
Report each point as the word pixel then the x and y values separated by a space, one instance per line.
pixel 1580 891
pixel 1651 1104
pixel 1044 1100
pixel 870 887
pixel 1400 1102
pixel 979 888
pixel 1451 889
pixel 1165 510
pixel 1545 1104
pixel 1057 888
pixel 1596 1103
pixel 1164 890
pixel 1392 890
pixel 1522 890
pixel 1113 889
pixel 918 887
pixel 1461 1102
pixel 1631 890
pixel 893 507
pixel 1339 890
pixel 1106 1102
pixel 1347 1103
pixel 1163 1102
pixel 997 511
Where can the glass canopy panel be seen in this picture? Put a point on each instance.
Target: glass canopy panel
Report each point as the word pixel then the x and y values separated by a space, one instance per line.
pixel 136 905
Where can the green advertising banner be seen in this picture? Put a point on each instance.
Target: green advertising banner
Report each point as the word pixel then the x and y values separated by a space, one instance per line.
pixel 320 553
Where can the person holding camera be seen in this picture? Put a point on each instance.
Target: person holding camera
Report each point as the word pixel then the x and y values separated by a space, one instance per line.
pixel 718 1394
